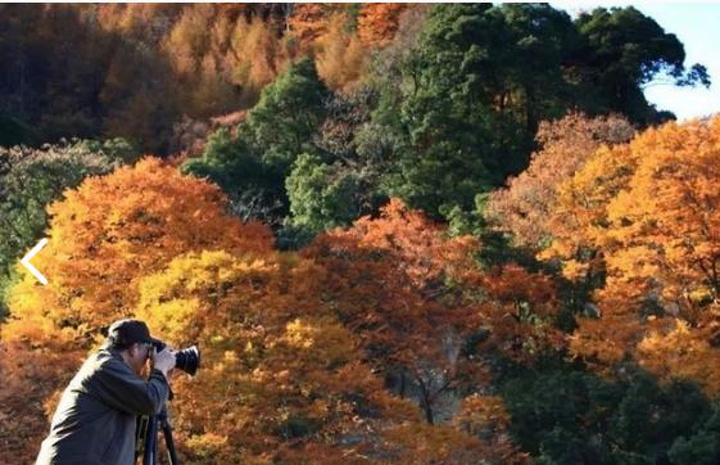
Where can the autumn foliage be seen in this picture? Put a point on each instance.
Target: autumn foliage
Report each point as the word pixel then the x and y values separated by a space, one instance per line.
pixel 132 223
pixel 282 378
pixel 378 22
pixel 527 263
pixel 300 350
pixel 527 208
pixel 103 237
pixel 381 342
pixel 646 209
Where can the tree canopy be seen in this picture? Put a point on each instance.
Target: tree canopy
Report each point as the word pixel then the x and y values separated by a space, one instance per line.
pixel 400 233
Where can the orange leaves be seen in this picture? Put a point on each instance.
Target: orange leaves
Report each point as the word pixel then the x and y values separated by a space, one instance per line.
pixel 326 31
pixel 104 237
pixel 25 377
pixel 416 242
pixel 378 22
pixel 422 444
pixel 515 284
pixel 387 277
pixel 535 207
pixel 281 373
pixel 404 288
pixel 649 209
pixel 341 56
pixel 113 229
pixel 308 21
pixel 518 308
pixel 486 417
pixel 223 57
pixel 295 345
pixel 480 413
pixel 677 352
pixel 604 342
pixel 664 226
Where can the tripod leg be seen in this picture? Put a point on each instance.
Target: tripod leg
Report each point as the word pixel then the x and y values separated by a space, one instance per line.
pixel 140 436
pixel 167 431
pixel 150 453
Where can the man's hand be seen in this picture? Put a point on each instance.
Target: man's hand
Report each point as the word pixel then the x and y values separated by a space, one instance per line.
pixel 164 361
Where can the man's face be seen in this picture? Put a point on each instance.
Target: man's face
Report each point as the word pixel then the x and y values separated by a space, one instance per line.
pixel 139 354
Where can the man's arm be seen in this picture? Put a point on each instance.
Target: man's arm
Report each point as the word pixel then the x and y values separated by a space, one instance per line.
pixel 117 386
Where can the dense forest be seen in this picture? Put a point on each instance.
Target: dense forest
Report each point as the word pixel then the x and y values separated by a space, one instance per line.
pixel 400 233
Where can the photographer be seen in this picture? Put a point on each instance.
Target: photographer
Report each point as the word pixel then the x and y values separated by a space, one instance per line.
pixel 96 419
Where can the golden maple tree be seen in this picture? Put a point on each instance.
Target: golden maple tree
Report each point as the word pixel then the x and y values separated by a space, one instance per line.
pixel 649 209
pixel 414 296
pixel 282 379
pixel 294 344
pixel 378 22
pixel 103 237
pixel 529 207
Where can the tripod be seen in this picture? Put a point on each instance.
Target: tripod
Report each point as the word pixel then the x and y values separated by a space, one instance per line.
pixel 147 432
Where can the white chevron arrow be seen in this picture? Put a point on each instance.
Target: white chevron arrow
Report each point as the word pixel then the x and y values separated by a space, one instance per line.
pixel 26 261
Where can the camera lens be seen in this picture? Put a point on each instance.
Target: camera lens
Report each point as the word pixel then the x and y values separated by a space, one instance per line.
pixel 188 360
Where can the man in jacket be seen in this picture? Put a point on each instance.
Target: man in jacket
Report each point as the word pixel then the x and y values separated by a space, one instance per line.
pixel 95 421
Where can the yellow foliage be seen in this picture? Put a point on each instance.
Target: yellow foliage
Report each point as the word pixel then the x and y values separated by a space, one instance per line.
pixel 681 354
pixel 133 222
pixel 104 237
pixel 478 413
pixel 341 55
pixel 649 210
pixel 277 361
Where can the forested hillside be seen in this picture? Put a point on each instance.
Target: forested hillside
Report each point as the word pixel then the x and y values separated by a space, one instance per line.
pixel 400 233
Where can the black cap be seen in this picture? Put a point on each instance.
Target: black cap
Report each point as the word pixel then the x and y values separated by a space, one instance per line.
pixel 128 331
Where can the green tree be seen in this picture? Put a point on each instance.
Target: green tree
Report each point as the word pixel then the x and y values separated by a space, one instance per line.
pixel 448 129
pixel 529 79
pixel 563 415
pixel 622 52
pixel 290 109
pixel 252 187
pixel 252 166
pixel 473 92
pixel 466 99
pixel 321 197
pixel 700 448
pixel 343 180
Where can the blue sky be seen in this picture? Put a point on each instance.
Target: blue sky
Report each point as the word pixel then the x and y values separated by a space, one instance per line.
pixel 697 25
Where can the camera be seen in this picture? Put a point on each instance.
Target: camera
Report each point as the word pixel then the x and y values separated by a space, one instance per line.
pixel 188 360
